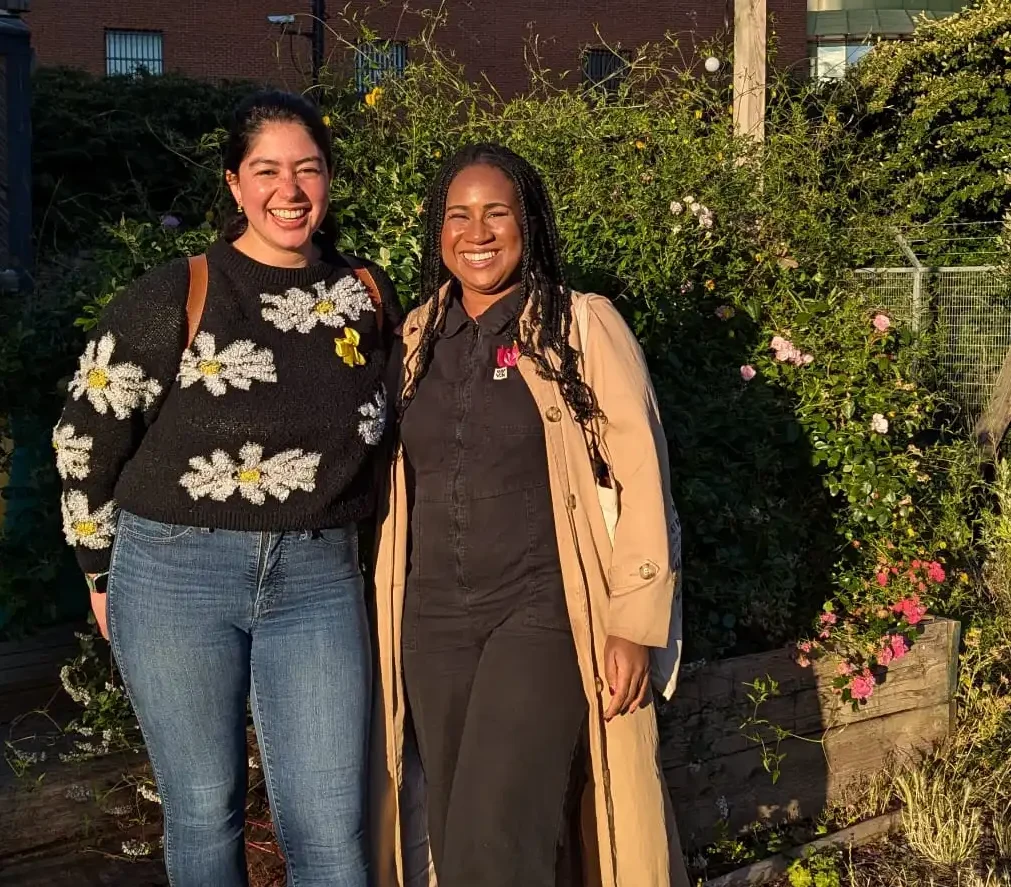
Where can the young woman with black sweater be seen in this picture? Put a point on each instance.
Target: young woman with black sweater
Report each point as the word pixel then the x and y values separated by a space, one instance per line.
pixel 215 465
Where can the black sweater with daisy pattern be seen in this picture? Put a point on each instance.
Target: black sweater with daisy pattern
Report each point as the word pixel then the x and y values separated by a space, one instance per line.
pixel 270 421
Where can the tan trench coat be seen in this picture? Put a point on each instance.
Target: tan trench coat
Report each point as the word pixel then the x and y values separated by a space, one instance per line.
pixel 628 831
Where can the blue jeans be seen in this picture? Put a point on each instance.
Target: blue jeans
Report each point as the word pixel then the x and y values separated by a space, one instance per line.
pixel 203 620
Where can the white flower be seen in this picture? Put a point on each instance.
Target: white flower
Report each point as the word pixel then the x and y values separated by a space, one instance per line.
pixel 121 387
pixel 331 306
pixel 136 849
pixel 253 763
pixel 73 454
pixel 689 199
pixel 695 207
pixel 254 477
pixel 148 793
pixel 879 424
pixel 81 526
pixel 676 207
pixel 372 426
pixel 77 792
pixel 239 365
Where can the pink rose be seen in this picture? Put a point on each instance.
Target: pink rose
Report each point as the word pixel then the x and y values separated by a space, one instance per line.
pixel 881 322
pixel 803 661
pixel 804 646
pixel 507 357
pixel 844 669
pixel 829 619
pixel 862 686
pixel 935 572
pixel 882 579
pixel 899 646
pixel 748 372
pixel 885 655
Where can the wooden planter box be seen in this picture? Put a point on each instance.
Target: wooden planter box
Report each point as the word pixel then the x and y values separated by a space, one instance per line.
pixel 707 761
pixel 711 766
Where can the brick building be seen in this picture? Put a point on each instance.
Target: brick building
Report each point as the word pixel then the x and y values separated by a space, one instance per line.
pixel 235 39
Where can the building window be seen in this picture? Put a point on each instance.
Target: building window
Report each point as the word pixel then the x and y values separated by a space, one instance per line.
pixel 376 61
pixel 127 52
pixel 831 60
pixel 604 69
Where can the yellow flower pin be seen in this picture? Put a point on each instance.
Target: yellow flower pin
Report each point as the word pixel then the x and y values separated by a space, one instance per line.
pixel 347 348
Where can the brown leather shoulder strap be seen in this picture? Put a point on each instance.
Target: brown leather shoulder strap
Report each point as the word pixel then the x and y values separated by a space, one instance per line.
pixel 197 295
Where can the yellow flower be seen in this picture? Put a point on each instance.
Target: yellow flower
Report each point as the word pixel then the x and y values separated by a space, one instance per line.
pixel 698 115
pixel 347 348
pixel 710 285
pixel 963 578
pixel 326 119
pixel 639 144
pixel 759 257
pixel 437 153
pixel 372 98
pixel 910 532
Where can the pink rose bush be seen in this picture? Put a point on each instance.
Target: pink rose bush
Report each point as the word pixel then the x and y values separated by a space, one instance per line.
pixel 880 631
pixel 786 352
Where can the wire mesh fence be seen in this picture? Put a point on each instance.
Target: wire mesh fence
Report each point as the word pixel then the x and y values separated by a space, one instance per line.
pixel 967 309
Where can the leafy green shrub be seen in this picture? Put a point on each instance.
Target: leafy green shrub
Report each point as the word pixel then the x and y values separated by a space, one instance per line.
pixel 935 112
pixel 802 443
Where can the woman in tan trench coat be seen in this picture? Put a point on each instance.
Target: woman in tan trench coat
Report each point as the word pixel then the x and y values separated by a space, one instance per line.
pixel 617 534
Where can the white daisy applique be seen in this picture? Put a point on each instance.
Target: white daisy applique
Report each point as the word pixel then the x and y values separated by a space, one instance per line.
pixel 84 527
pixel 371 427
pixel 120 387
pixel 237 365
pixel 331 306
pixel 73 452
pixel 254 477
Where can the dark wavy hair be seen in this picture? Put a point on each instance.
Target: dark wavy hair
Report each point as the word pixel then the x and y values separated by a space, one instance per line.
pixel 542 278
pixel 251 115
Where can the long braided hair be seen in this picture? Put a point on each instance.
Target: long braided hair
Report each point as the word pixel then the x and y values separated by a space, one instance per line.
pixel 542 279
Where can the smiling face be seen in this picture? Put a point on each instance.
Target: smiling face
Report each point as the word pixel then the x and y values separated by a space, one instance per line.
pixel 283 187
pixel 482 238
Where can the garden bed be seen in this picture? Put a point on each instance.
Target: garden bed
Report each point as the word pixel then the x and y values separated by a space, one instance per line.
pixel 716 774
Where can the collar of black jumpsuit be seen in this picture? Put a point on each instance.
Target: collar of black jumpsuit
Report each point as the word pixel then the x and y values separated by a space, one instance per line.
pixel 494 320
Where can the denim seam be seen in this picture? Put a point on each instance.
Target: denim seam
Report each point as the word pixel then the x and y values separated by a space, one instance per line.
pixel 121 663
pixel 261 573
pixel 268 770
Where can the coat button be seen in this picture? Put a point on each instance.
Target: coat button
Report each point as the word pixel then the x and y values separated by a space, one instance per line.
pixel 554 414
pixel 648 571
pixel 599 684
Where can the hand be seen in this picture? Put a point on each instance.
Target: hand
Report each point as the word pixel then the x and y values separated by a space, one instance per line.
pixel 98 602
pixel 626 667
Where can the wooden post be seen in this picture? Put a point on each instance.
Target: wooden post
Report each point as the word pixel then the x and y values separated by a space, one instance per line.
pixel 749 68
pixel 993 424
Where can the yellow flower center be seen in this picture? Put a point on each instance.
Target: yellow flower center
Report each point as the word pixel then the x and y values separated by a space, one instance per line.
pixel 324 307
pixel 209 367
pixel 249 475
pixel 85 527
pixel 98 379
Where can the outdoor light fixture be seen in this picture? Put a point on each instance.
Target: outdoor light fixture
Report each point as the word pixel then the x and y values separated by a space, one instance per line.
pixel 712 64
pixel 281 19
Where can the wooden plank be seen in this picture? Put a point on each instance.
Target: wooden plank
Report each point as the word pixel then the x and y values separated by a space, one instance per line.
pixel 711 765
pixel 812 774
pixel 62 808
pixel 764 871
pixel 750 41
pixel 704 719
pixel 993 425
